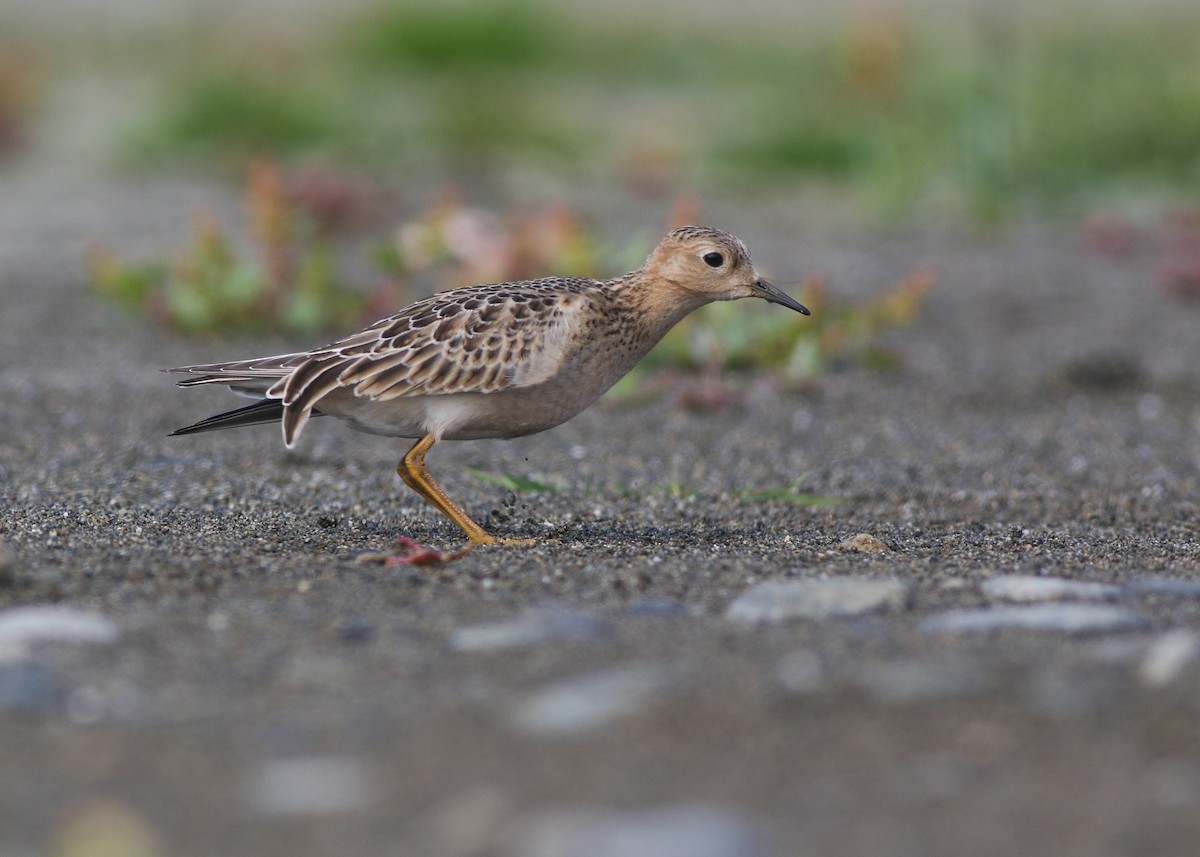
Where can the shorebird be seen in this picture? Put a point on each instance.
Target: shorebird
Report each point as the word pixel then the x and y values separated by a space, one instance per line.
pixel 491 361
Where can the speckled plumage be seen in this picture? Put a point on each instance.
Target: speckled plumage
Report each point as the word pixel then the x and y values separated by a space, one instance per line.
pixel 500 360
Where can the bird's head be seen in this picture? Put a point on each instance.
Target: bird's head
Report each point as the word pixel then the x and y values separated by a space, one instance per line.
pixel 712 265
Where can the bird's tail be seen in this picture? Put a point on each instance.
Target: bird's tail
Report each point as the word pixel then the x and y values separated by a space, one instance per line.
pixel 266 411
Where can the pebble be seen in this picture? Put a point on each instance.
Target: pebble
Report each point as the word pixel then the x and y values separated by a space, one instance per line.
pixel 580 705
pixel 37 623
pixel 801 671
pixel 1064 618
pixel 1167 657
pixel 670 831
pixel 355 631
pixel 918 679
pixel 309 785
pixel 533 627
pixel 863 543
pixel 779 600
pixel 1027 587
pixel 28 688
pixel 1169 586
pixel 1071 690
pixel 86 705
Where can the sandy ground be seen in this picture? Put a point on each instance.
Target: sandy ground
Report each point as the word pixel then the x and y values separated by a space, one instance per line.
pixel 253 690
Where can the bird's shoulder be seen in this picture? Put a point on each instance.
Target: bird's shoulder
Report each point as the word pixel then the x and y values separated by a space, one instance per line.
pixel 473 310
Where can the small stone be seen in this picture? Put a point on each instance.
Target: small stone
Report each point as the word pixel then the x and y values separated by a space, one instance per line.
pixel 1103 373
pixel 910 680
pixel 86 704
pixel 672 831
pixel 355 631
pixel 801 671
pixel 1167 657
pixel 1066 690
pixel 531 628
pixel 1063 618
pixel 863 543
pixel 779 600
pixel 309 786
pixel 28 688
pixel 585 704
pixel 1166 586
pixel 1027 587
pixel 66 624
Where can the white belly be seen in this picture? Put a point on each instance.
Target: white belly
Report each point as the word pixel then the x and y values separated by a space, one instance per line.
pixel 458 416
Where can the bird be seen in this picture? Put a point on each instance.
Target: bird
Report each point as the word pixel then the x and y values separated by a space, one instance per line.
pixel 503 360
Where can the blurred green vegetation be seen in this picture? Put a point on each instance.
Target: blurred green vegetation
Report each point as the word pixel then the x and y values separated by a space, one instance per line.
pixel 512 482
pixel 241 115
pixel 288 284
pixel 445 38
pixel 727 336
pixel 1006 106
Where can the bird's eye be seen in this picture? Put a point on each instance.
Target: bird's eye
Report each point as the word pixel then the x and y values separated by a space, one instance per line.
pixel 713 260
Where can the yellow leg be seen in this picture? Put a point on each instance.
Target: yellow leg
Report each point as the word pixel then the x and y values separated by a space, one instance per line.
pixel 416 476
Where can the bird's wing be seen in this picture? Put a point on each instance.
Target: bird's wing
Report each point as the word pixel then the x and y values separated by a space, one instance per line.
pixel 251 376
pixel 481 339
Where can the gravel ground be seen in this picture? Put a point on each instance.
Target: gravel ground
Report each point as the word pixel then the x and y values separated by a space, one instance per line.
pixel 192 662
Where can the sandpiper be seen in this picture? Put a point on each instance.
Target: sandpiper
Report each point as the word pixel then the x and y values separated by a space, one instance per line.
pixel 491 361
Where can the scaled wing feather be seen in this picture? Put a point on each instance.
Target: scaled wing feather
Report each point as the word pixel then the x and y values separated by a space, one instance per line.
pixel 472 340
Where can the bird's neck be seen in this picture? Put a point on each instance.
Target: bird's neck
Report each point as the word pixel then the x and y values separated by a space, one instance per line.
pixel 657 305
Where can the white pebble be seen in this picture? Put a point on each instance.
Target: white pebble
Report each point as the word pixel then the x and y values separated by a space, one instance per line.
pixel 1167 657
pixel 672 831
pixel 779 600
pixel 911 680
pixel 585 704
pixel 1065 618
pixel 36 623
pixel 309 785
pixel 801 671
pixel 1027 587
pixel 533 627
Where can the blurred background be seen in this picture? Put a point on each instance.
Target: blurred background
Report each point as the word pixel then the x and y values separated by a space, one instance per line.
pixel 379 151
pixel 382 150
pixel 975 107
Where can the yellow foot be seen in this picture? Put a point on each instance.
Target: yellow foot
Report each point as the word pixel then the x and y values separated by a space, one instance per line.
pixel 488 539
